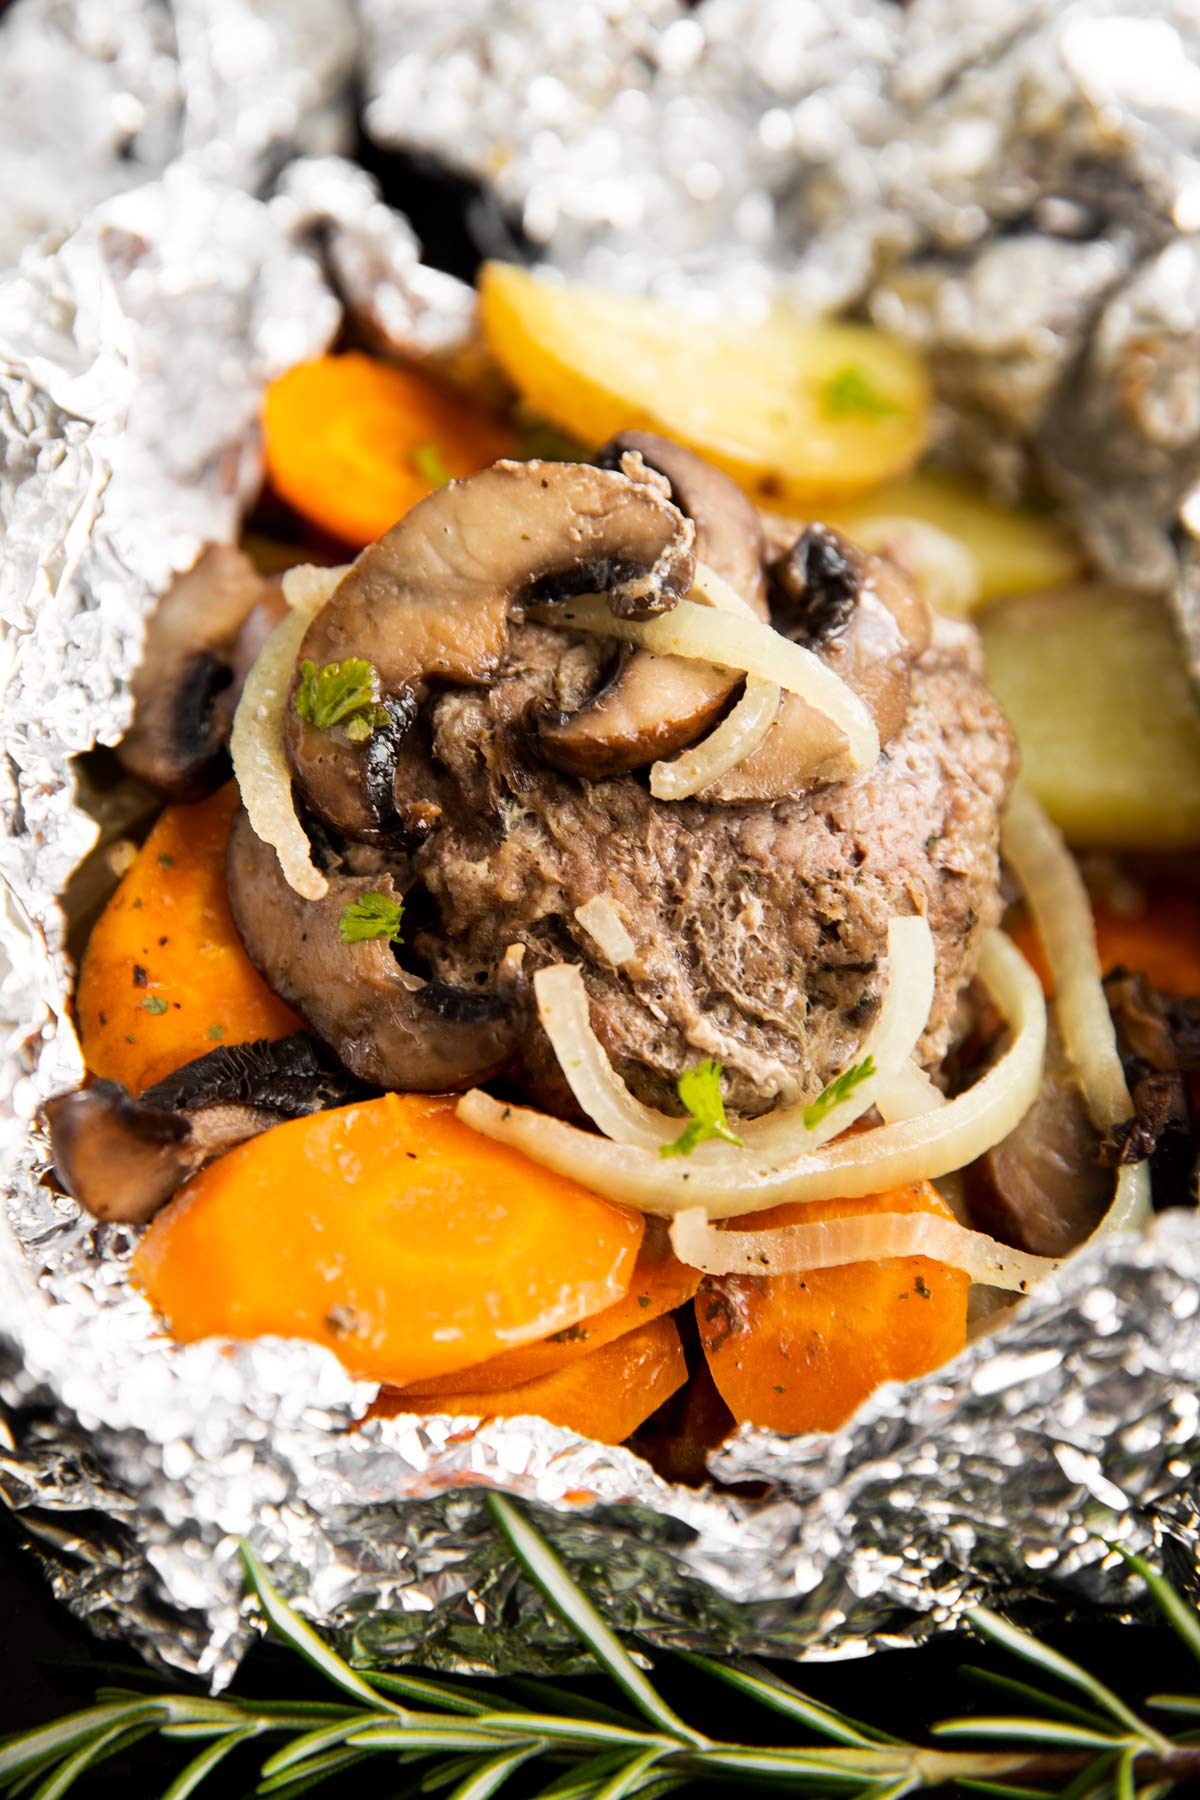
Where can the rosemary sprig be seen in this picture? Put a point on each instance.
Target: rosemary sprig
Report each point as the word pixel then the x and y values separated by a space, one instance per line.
pixel 464 1743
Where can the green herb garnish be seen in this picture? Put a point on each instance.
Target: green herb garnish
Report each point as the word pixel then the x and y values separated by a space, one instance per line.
pixel 426 461
pixel 155 1004
pixel 837 1091
pixel 852 394
pixel 371 916
pixel 1079 1738
pixel 700 1091
pixel 345 694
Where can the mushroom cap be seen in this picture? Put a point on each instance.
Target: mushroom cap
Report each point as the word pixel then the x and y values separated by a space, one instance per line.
pixel 429 602
pixel 388 1027
pixel 859 614
pixel 186 685
pixel 122 1158
pixel 654 706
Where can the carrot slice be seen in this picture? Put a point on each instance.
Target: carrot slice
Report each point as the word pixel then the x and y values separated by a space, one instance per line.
pixel 801 1352
pixel 352 442
pixel 605 1395
pixel 1160 941
pixel 660 1284
pixel 164 977
pixel 391 1233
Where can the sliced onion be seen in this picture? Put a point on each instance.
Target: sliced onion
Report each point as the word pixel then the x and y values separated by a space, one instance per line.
pixel 1130 1210
pixel 903 1016
pixel 867 1163
pixel 257 739
pixel 563 1010
pixel 734 739
pixel 729 641
pixel 1034 849
pixel 940 567
pixel 873 1237
pixel 908 1094
pixel 711 589
pixel 603 923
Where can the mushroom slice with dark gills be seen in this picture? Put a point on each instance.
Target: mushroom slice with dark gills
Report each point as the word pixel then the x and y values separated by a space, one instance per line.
pixel 654 706
pixel 429 603
pixel 389 1027
pixel 122 1158
pixel 200 641
pixel 859 615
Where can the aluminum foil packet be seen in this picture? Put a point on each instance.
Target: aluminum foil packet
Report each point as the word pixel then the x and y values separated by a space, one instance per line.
pixel 800 147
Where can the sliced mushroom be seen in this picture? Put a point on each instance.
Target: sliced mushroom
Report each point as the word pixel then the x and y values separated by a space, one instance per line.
pixel 430 601
pixel 729 531
pixel 654 706
pixel 200 642
pixel 389 1028
pixel 1158 1035
pixel 123 1158
pixel 859 615
pixel 1043 1188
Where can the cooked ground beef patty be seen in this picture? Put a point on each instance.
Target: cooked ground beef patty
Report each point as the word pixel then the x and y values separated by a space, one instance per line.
pixel 759 928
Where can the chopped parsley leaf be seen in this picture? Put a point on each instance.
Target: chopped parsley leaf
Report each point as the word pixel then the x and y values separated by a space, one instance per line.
pixel 155 1004
pixel 371 916
pixel 216 1032
pixel 837 1091
pixel 427 462
pixel 851 394
pixel 700 1091
pixel 345 694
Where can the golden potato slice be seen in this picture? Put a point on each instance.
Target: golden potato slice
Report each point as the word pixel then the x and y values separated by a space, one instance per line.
pixel 798 412
pixel 1015 550
pixel 1093 681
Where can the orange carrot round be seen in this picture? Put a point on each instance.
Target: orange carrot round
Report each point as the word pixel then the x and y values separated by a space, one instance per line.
pixel 391 1233
pixel 801 1352
pixel 164 976
pixel 660 1284
pixel 605 1395
pixel 353 442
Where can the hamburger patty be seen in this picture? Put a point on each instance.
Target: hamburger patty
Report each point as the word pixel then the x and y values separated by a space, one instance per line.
pixel 759 927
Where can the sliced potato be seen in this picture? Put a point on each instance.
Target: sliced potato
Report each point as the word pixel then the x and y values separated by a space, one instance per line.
pixel 1093 681
pixel 1015 550
pixel 798 412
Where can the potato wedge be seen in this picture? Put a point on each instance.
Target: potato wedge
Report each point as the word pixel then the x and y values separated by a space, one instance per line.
pixel 797 411
pixel 1093 681
pixel 1015 550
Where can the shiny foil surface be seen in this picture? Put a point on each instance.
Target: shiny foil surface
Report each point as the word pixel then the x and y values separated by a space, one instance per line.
pixel 1018 199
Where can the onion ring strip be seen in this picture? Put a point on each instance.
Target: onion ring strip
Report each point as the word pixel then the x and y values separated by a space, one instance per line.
pixel 563 1010
pixel 909 1094
pixel 728 641
pixel 256 742
pixel 1053 887
pixel 871 1237
pixel 868 1163
pixel 737 736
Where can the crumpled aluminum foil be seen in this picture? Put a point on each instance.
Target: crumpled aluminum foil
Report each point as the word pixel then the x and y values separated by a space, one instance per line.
pixel 1011 184
pixel 131 362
